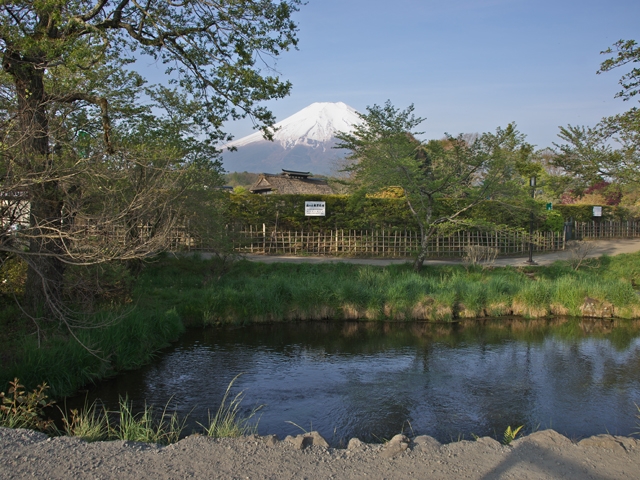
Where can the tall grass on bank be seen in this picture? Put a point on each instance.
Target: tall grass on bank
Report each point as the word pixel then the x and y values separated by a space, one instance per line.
pixel 66 365
pixel 253 292
pixel 94 423
pixel 227 422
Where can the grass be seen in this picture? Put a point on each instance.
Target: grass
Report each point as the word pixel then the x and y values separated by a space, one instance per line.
pixel 144 426
pixel 227 422
pixel 94 424
pixel 253 292
pixel 89 424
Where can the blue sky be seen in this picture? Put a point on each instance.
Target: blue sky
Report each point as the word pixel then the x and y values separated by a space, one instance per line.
pixel 467 65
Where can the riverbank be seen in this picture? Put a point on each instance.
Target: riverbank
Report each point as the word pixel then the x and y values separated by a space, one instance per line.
pixel 174 293
pixel 541 455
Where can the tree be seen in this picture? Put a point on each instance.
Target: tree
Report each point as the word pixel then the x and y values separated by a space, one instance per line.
pixel 611 150
pixel 440 179
pixel 627 52
pixel 70 116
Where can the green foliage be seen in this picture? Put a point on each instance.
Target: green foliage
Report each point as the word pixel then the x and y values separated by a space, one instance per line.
pixel 553 222
pixel 13 273
pixel 22 409
pixel 144 427
pixel 611 149
pixel 363 212
pixel 126 339
pixel 286 212
pixel 584 213
pixel 89 424
pixel 457 172
pixel 627 51
pixel 510 434
pixel 111 163
pixel 93 425
pixel 227 421
pixel 251 292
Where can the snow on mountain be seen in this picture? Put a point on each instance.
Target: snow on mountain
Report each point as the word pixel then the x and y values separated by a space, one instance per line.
pixel 302 142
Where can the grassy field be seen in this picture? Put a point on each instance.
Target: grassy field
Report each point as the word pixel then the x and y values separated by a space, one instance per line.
pixel 174 293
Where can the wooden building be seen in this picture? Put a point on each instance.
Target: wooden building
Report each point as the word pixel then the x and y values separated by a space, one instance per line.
pixel 290 182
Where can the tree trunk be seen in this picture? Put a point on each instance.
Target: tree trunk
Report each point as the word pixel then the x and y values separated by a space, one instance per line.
pixel 45 273
pixel 422 254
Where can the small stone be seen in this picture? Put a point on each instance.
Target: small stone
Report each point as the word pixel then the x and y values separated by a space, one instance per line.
pixel 395 446
pixel 316 439
pixel 271 440
pixel 307 440
pixel 297 441
pixel 425 443
pixel 355 444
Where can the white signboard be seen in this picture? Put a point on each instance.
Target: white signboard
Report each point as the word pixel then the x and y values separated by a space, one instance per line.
pixel 314 209
pixel 597 211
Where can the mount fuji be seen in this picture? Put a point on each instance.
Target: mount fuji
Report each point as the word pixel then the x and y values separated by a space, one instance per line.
pixel 303 142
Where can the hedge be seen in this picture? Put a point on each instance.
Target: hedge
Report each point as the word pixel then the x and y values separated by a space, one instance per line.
pixel 357 212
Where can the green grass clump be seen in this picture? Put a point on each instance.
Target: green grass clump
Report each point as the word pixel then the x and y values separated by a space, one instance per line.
pixel 93 424
pixel 227 422
pixel 126 342
pixel 255 292
pixel 144 427
pixel 510 434
pixel 89 424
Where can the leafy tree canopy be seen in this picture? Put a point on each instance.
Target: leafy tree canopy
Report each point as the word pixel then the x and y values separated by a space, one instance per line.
pixel 86 142
pixel 626 52
pixel 611 150
pixel 463 171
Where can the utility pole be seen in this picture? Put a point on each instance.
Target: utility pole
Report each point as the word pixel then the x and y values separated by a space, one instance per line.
pixel 532 184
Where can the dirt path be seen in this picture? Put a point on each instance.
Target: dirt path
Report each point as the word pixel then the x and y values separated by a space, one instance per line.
pixel 599 247
pixel 542 455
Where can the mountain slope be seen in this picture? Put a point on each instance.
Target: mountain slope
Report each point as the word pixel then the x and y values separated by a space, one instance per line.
pixel 304 141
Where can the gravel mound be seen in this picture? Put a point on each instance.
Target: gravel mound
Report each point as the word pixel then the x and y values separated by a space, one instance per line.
pixel 541 455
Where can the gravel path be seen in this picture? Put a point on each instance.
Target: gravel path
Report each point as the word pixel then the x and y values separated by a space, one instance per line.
pixel 598 248
pixel 542 455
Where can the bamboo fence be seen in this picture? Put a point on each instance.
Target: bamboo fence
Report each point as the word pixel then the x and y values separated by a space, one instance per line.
pixel 608 229
pixel 387 243
pixel 379 243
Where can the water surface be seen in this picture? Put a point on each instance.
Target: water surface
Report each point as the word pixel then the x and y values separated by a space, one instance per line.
pixel 372 380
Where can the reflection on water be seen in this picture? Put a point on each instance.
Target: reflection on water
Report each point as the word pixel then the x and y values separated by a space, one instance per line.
pixel 373 380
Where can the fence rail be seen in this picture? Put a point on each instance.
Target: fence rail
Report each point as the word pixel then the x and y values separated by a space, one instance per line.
pixel 607 229
pixel 388 243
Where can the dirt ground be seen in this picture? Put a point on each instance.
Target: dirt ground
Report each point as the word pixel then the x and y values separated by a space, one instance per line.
pixel 541 455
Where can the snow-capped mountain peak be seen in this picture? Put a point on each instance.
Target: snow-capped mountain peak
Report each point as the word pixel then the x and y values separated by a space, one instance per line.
pixel 311 126
pixel 304 141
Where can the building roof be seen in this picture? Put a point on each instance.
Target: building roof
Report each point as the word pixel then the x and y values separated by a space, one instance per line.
pixel 290 182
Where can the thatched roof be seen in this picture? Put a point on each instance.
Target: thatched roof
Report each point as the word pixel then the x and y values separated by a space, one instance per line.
pixel 290 183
